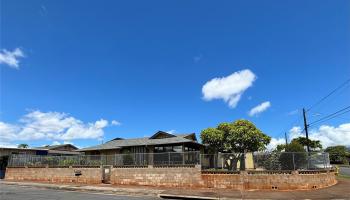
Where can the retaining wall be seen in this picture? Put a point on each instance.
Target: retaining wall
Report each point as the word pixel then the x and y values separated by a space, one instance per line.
pixel 269 181
pixel 168 177
pixel 179 177
pixel 55 175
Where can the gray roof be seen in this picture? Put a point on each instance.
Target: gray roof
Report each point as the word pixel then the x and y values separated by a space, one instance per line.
pixel 49 147
pixel 146 141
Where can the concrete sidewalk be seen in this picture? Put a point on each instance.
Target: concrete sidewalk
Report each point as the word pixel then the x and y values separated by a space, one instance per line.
pixel 339 191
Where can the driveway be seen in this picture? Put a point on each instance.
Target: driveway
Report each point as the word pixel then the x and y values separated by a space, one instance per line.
pixel 13 192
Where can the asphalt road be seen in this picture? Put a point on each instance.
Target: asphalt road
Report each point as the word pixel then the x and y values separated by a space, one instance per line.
pixel 344 171
pixel 11 192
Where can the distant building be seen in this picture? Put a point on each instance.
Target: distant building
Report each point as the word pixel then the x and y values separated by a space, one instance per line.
pixel 62 149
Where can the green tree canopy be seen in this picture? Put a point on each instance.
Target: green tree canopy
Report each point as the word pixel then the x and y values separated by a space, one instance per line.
pixel 337 154
pixel 238 137
pixel 294 146
pixel 298 144
pixel 313 144
pixel 23 146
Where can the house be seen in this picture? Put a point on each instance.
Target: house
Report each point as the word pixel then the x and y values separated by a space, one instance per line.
pixel 160 142
pixel 55 150
pixel 62 149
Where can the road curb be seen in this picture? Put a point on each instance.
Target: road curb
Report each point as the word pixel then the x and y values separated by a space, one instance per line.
pixel 119 191
pixel 173 196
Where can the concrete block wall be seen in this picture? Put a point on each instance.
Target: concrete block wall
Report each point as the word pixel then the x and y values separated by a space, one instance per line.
pixel 175 177
pixel 167 177
pixel 223 181
pixel 192 177
pixel 289 181
pixel 55 175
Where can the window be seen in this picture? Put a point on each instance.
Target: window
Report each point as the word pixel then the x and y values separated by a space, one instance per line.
pixel 190 149
pixel 168 148
pixel 158 149
pixel 177 148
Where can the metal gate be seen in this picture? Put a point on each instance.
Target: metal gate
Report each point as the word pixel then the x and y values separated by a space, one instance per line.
pixel 106 174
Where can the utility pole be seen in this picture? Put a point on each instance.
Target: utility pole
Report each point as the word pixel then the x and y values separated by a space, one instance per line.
pixel 285 136
pixel 306 131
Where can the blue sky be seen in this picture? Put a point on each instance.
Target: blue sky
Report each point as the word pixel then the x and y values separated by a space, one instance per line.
pixel 79 65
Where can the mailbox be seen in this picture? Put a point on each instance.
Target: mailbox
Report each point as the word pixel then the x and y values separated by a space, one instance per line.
pixel 77 172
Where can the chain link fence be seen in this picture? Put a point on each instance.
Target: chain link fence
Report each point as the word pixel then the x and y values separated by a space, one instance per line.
pixel 117 160
pixel 220 161
pixel 265 161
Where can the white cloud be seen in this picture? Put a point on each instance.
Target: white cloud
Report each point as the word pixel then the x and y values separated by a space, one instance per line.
pixel 229 88
pixel 8 132
pixel 116 123
pixel 37 125
pixel 293 112
pixel 59 143
pixel 11 58
pixel 259 108
pixel 328 135
pixel 8 145
pixel 101 123
pixel 171 131
pixel 55 143
pixel 274 142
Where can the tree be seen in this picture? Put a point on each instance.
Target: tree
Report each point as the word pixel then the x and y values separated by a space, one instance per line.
pixel 294 146
pixel 23 146
pixel 313 144
pixel 337 154
pixel 237 138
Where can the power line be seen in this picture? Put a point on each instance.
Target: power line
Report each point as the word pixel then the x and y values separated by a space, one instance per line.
pixel 318 114
pixel 335 116
pixel 331 116
pixel 329 94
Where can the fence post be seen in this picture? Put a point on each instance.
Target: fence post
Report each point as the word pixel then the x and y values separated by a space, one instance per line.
pixel 215 155
pixel 293 161
pixel 222 162
pixel 135 159
pixel 308 160
pixel 183 158
pixel 200 158
pixel 168 158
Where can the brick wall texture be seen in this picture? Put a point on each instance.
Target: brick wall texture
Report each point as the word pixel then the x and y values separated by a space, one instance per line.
pixel 174 177
pixel 55 175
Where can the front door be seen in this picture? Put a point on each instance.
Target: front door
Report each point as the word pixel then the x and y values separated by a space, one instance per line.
pixel 106 174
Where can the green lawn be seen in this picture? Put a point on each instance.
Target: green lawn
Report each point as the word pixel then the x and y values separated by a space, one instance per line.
pixel 340 176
